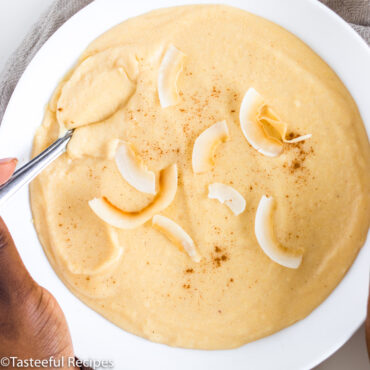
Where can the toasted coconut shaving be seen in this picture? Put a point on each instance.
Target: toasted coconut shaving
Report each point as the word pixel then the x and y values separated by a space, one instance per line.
pixel 133 170
pixel 206 144
pixel 168 74
pixel 262 128
pixel 265 235
pixel 116 217
pixel 177 235
pixel 227 195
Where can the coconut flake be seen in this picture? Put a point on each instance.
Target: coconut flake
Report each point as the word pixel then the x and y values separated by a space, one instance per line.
pixel 177 235
pixel 265 235
pixel 117 217
pixel 262 128
pixel 206 144
pixel 168 74
pixel 227 195
pixel 133 170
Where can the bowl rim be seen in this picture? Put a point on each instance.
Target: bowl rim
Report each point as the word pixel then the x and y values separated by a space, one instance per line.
pixel 11 142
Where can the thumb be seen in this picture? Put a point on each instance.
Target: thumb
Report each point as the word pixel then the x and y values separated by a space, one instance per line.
pixel 7 167
pixel 15 281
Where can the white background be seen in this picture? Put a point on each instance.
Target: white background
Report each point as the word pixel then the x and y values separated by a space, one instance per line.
pixel 16 18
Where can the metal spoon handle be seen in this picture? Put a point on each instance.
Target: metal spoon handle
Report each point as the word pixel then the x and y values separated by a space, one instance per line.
pixel 30 170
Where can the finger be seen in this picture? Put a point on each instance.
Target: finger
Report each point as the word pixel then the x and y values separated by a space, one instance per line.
pixel 367 325
pixel 7 167
pixel 15 280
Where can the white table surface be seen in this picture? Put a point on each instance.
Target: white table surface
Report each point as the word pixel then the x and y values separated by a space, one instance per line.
pixel 16 18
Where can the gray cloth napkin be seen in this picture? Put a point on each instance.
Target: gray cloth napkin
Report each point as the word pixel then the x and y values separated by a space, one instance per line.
pixel 356 12
pixel 58 13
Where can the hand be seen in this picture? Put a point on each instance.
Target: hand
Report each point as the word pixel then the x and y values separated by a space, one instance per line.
pixel 367 326
pixel 32 325
pixel 7 167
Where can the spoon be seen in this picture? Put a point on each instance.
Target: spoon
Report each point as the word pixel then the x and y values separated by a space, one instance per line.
pixel 30 170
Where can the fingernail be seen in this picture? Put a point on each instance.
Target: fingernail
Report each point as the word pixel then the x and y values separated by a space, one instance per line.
pixel 8 160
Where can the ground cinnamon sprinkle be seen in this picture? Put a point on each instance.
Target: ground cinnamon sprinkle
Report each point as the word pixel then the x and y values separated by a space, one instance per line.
pixel 292 135
pixel 301 154
pixel 218 259
pixel 231 280
pixel 189 271
pixel 295 164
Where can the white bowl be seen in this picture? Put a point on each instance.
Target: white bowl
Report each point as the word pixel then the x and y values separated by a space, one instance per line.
pixel 301 346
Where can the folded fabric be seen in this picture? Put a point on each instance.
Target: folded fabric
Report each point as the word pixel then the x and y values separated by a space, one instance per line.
pixel 58 13
pixel 355 12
